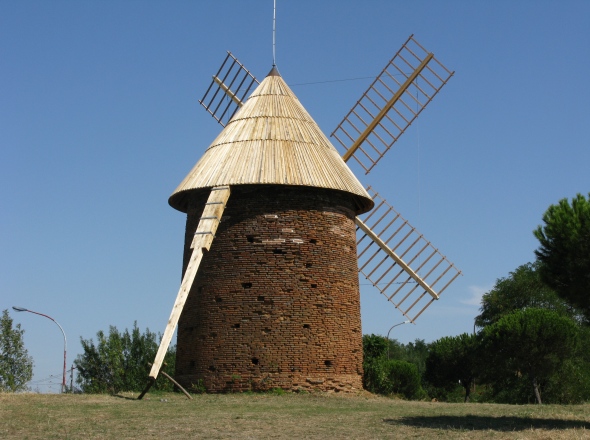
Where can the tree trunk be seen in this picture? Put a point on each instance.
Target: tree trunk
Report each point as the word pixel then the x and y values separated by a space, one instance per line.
pixel 536 388
pixel 467 393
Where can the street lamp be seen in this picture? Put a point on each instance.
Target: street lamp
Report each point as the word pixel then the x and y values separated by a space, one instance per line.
pixel 392 327
pixel 22 309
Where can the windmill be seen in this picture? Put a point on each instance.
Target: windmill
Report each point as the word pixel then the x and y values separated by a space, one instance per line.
pixel 270 291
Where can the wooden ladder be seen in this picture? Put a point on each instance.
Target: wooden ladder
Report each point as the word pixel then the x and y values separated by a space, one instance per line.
pixel 202 240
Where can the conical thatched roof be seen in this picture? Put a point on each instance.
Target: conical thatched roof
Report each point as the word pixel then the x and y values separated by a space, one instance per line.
pixel 272 140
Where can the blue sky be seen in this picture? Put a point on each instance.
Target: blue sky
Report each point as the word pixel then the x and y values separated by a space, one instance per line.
pixel 100 121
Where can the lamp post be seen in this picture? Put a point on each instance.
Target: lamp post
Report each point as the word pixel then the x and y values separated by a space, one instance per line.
pixel 22 309
pixel 392 327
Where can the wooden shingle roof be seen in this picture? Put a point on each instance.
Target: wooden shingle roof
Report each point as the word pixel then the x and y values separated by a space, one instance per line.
pixel 272 140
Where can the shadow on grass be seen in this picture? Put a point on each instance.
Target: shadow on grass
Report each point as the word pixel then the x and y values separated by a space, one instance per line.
pixel 484 423
pixel 123 397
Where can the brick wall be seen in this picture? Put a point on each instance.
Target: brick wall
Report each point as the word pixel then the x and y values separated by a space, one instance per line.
pixel 276 300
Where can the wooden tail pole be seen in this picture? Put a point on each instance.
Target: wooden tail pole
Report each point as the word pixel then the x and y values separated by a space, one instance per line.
pixel 151 381
pixel 167 376
pixel 202 241
pixel 177 384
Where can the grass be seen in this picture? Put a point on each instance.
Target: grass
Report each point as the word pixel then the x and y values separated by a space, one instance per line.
pixel 364 416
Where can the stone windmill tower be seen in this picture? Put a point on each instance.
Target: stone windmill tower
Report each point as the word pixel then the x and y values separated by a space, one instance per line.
pixel 270 292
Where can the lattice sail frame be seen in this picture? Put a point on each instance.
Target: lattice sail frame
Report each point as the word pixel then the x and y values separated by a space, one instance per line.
pixel 235 82
pixel 404 267
pixel 391 103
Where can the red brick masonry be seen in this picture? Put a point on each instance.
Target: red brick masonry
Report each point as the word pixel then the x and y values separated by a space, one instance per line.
pixel 276 300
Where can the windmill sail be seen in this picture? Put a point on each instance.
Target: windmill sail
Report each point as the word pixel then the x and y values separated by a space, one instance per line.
pixel 204 235
pixel 235 81
pixel 391 103
pixel 399 261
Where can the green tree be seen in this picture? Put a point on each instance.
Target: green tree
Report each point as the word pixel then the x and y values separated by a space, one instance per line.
pixel 452 360
pixel 374 346
pixel 564 250
pixel 16 366
pixel 521 289
pixel 533 343
pixel 416 353
pixel 119 361
pixel 383 375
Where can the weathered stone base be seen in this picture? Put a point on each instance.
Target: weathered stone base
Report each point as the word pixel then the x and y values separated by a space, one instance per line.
pixel 345 383
pixel 275 303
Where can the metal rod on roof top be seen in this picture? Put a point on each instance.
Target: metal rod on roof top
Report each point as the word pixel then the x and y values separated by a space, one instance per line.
pixel 274 32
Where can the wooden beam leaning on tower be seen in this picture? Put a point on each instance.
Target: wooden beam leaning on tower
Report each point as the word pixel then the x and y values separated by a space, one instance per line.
pixel 202 240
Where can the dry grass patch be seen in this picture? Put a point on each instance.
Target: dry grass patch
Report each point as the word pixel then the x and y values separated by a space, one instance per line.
pixel 41 416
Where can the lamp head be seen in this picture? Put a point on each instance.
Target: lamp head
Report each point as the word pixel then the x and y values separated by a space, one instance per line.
pixel 20 309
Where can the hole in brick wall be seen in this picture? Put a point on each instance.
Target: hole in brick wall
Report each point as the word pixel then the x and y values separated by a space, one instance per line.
pixel 192 363
pixel 255 361
pixel 314 286
pixel 236 326
pixel 308 264
pixel 250 238
pixel 218 299
pixel 328 363
pixel 213 334
pixel 306 326
pixel 278 251
pixel 266 330
pixel 247 285
pixel 313 241
pixel 261 298
pixel 211 368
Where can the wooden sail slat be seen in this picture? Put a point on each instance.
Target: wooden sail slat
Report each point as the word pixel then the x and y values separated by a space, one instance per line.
pixel 408 293
pixel 424 293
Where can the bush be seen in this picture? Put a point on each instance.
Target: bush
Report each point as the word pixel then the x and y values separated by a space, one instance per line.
pixel 393 377
pixel 119 362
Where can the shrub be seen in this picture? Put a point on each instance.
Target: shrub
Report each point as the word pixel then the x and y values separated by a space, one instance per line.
pixel 389 377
